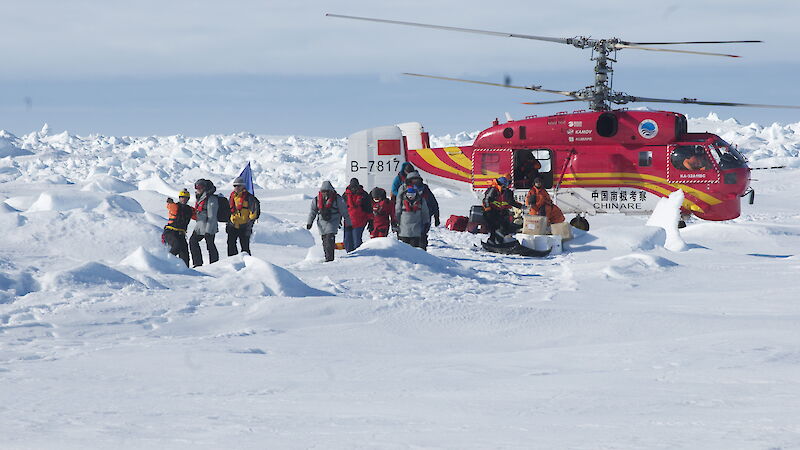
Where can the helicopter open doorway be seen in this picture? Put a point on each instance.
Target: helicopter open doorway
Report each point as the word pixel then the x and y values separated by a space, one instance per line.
pixel 526 161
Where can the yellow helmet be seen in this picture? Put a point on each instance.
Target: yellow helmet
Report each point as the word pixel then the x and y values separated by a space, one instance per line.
pixel 184 193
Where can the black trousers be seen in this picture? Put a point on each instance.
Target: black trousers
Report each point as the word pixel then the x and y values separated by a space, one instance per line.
pixel 412 241
pixel 242 234
pixel 329 245
pixel 197 255
pixel 423 240
pixel 498 223
pixel 177 244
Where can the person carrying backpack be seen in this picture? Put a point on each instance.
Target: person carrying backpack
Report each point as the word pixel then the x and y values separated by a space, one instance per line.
pixel 206 227
pixel 330 210
pixel 245 209
pixel 360 209
pixel 383 218
pixel 411 211
pixel 175 231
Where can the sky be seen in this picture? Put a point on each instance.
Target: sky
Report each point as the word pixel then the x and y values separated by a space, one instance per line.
pixel 266 67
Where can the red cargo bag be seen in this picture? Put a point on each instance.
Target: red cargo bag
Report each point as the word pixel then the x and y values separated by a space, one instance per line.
pixel 457 223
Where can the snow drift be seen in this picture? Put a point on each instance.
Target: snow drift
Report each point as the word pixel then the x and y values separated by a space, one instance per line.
pixel 90 274
pixel 157 261
pixel 244 275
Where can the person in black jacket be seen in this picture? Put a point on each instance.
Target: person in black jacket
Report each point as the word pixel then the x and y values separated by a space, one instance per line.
pixel 497 203
pixel 175 231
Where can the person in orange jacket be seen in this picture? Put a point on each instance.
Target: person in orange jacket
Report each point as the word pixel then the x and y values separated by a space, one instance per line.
pixel 175 231
pixel 540 203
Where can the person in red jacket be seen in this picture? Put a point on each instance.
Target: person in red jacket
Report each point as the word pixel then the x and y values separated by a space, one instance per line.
pixel 383 218
pixel 359 206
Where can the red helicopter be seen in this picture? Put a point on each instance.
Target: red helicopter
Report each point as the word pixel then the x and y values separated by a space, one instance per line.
pixel 599 161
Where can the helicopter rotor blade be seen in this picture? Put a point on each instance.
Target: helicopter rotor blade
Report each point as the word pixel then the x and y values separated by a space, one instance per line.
pixel 529 88
pixel 688 42
pixel 653 49
pixel 463 30
pixel 553 101
pixel 693 101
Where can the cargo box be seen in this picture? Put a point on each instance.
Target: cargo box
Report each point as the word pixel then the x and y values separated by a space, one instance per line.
pixel 563 229
pixel 535 224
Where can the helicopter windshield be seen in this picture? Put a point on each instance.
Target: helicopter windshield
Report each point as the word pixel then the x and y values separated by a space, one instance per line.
pixel 690 158
pixel 726 155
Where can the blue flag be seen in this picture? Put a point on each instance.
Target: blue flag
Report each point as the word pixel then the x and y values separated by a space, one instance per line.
pixel 247 176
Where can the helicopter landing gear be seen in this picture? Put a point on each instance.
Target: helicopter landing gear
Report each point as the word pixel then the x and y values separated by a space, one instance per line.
pixel 682 221
pixel 580 223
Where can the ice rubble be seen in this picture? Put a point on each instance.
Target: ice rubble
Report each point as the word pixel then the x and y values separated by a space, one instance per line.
pixel 666 215
pixel 278 162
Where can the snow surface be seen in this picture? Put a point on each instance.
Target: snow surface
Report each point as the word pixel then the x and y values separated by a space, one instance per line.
pixel 107 341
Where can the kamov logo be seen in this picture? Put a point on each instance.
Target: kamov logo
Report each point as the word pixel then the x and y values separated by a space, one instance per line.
pixel 648 128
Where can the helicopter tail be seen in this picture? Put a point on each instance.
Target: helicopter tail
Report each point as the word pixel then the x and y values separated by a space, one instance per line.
pixel 374 156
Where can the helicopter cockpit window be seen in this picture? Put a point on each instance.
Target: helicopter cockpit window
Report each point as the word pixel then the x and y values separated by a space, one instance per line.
pixel 726 155
pixel 530 164
pixel 690 158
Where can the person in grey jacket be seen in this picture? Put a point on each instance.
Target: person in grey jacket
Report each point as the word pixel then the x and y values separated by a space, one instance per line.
pixel 424 191
pixel 411 211
pixel 206 226
pixel 330 210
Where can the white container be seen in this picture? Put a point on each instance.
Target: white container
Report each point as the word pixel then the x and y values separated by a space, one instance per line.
pixel 541 242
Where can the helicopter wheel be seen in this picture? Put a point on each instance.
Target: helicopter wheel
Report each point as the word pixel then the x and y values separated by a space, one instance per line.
pixel 580 223
pixel 681 223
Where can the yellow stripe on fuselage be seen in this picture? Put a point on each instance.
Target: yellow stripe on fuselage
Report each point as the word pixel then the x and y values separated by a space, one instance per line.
pixel 430 157
pixel 458 157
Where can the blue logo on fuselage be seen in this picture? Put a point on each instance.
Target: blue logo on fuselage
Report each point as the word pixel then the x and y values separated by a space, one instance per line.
pixel 648 128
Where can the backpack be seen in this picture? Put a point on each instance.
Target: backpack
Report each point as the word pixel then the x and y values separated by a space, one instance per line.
pixel 366 203
pixel 223 209
pixel 325 208
pixel 255 206
pixel 457 223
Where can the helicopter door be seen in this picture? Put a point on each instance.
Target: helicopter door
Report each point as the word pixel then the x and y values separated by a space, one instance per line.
pixel 525 168
pixel 691 163
pixel 488 165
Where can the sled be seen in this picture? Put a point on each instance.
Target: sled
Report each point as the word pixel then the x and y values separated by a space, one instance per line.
pixel 514 248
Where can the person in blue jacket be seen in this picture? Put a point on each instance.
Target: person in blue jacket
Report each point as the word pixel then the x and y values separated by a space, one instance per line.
pixel 400 179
